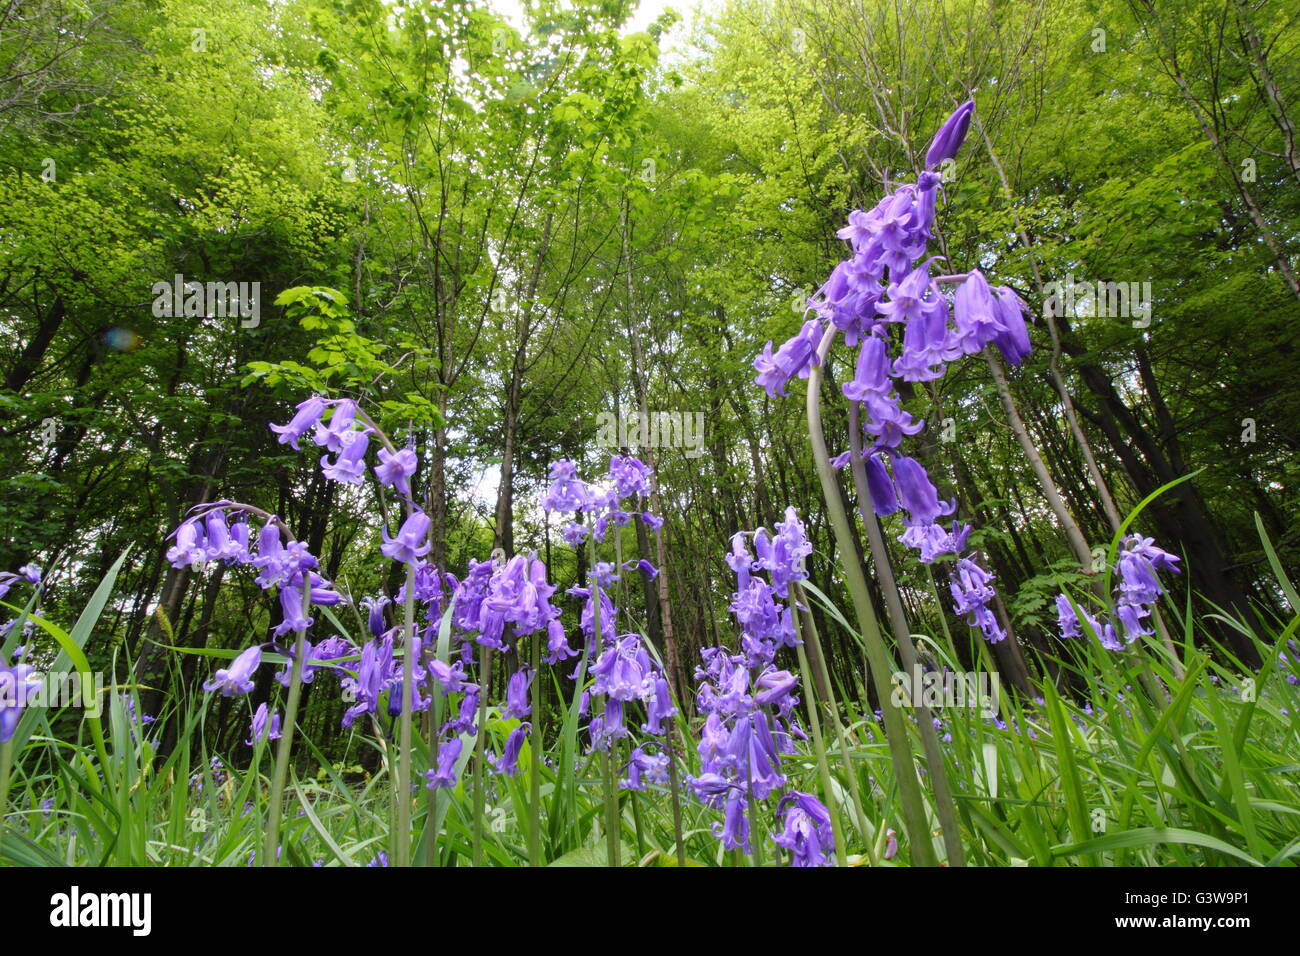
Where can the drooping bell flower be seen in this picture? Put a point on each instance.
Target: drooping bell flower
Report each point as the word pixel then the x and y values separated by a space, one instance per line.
pixel 294 619
pixel 871 374
pixel 350 465
pixel 653 522
pixel 880 487
pixel 567 493
pixel 928 344
pixel 795 357
pixel 1137 564
pixel 238 677
pixel 659 707
pixel 807 832
pixel 947 141
pixel 306 416
pixel 773 686
pixel 265 725
pixel 978 316
pixel 630 475
pixel 1070 625
pixel 1014 342
pixel 372 673
pixel 517 702
pixel 395 468
pixel 887 423
pixel 19 684
pixel 189 549
pixel 917 493
pixel 734 830
pixel 31 573
pixel 411 543
pixel 971 593
pixel 643 768
pixel 465 722
pixel 783 557
pixel 218 546
pixel 445 775
pixel 622 671
pixel 508 764
pixel 908 298
pixel 557 644
pixel 334 436
pixel 375 614
pixel 450 676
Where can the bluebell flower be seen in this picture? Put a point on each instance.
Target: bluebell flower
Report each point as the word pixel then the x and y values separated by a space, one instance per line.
pixel 238 677
pixel 807 832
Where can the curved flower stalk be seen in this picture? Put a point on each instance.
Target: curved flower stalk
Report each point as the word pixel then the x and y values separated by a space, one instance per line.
pixel 887 282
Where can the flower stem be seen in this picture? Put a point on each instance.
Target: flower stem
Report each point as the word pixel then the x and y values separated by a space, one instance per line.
pixel 402 845
pixel 480 795
pixel 846 758
pixel 6 767
pixel 878 657
pixel 819 748
pixel 612 816
pixel 947 810
pixel 282 753
pixel 535 753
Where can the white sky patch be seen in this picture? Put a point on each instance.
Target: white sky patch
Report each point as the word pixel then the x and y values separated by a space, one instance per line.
pixel 646 13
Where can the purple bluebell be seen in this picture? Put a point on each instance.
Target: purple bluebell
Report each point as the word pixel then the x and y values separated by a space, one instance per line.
pixel 294 618
pixel 304 419
pixel 445 774
pixel 238 677
pixel 517 702
pixel 335 435
pixel 265 725
pixel 411 543
pixel 795 357
pixel 806 830
pixel 557 643
pixel 349 466
pixel 19 684
pixel 395 468
pixel 643 768
pixel 567 493
pixel 508 763
pixel 947 141
pixel 630 475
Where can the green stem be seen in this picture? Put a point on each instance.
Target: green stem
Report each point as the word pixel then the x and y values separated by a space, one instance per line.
pixel 283 752
pixel 480 795
pixel 535 752
pixel 6 766
pixel 878 657
pixel 944 805
pixel 612 822
pixel 846 757
pixel 402 845
pixel 823 768
pixel 679 841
